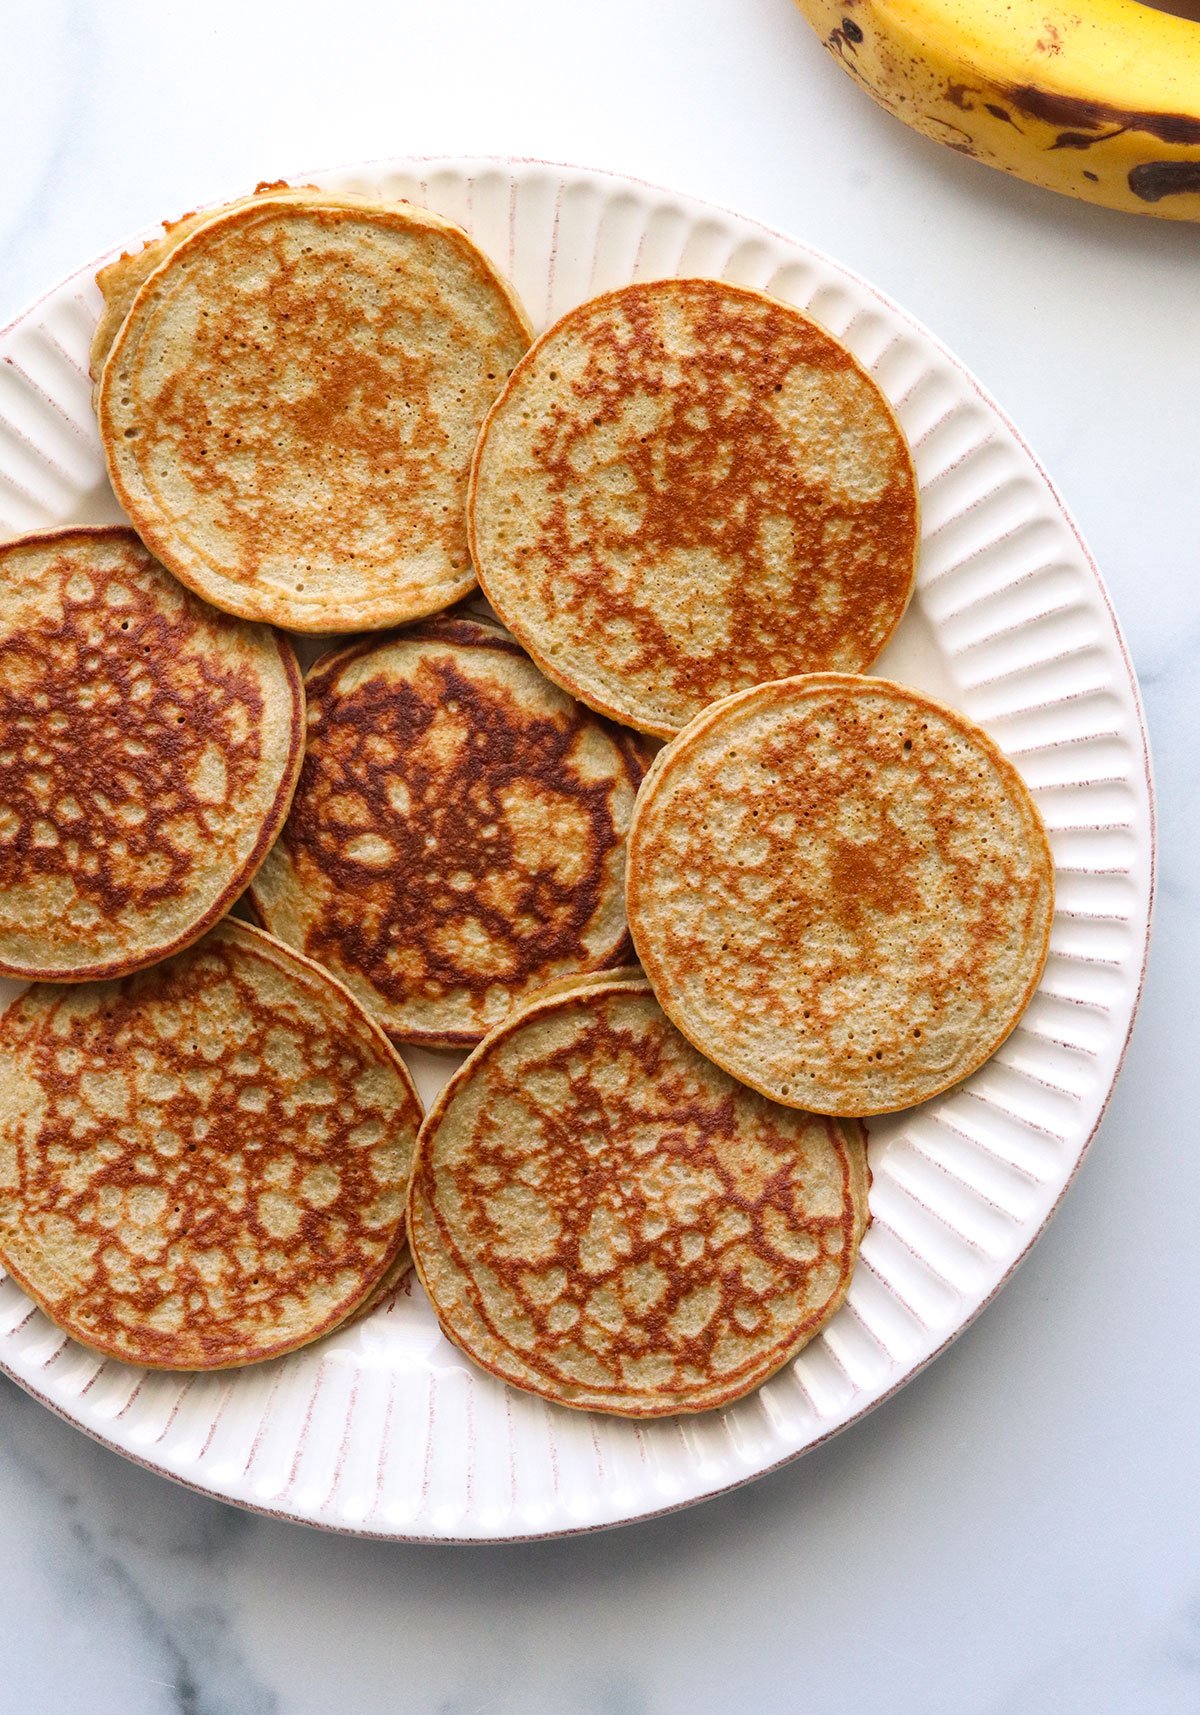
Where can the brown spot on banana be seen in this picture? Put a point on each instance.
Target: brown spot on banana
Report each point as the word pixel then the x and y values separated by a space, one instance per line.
pixel 961 95
pixel 846 36
pixel 953 136
pixel 1082 113
pixel 1082 140
pixel 957 95
pixel 1154 180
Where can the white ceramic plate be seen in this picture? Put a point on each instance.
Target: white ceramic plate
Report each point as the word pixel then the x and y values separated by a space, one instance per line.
pixel 386 1429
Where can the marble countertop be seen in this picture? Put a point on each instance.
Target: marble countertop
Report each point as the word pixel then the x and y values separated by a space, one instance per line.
pixel 1015 1531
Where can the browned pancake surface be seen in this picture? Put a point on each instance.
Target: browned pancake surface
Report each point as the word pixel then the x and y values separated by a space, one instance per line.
pixel 205 1164
pixel 289 408
pixel 120 280
pixel 687 488
pixel 457 836
pixel 841 891
pixel 603 1217
pixel 149 747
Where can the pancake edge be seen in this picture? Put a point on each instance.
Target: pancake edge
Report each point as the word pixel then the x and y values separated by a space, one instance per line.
pixel 268 833
pixel 597 700
pixel 695 730
pixel 237 598
pixel 858 1182
pixel 627 740
pixel 391 1260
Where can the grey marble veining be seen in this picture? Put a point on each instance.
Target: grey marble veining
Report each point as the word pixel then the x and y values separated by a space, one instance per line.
pixel 128 1579
pixel 1014 1533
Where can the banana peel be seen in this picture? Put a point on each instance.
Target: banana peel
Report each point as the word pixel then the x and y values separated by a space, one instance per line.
pixel 1101 103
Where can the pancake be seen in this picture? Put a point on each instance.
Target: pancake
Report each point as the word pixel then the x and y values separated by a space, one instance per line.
pixel 687 488
pixel 289 407
pixel 602 1217
pixel 457 838
pixel 390 1283
pixel 149 748
pixel 206 1164
pixel 841 891
pixel 120 281
pixel 590 980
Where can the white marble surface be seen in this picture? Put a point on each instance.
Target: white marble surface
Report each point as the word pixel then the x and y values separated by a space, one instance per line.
pixel 1016 1531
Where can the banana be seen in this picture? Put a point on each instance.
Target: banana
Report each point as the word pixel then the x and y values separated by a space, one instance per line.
pixel 1101 103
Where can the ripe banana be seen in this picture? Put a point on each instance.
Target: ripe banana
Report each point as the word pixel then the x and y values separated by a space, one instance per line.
pixel 1102 102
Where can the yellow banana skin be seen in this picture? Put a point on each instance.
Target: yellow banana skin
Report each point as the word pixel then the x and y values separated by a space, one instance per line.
pixel 1100 102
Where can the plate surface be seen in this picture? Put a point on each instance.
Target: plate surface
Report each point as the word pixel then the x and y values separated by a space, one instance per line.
pixel 386 1430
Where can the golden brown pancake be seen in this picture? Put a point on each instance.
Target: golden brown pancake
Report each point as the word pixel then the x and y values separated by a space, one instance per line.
pixel 206 1164
pixel 289 407
pixel 841 891
pixel 601 1216
pixel 149 748
pixel 458 834
pixel 589 980
pixel 119 281
pixel 687 488
pixel 390 1283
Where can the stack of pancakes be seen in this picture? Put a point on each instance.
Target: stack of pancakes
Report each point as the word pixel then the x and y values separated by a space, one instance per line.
pixel 695 519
